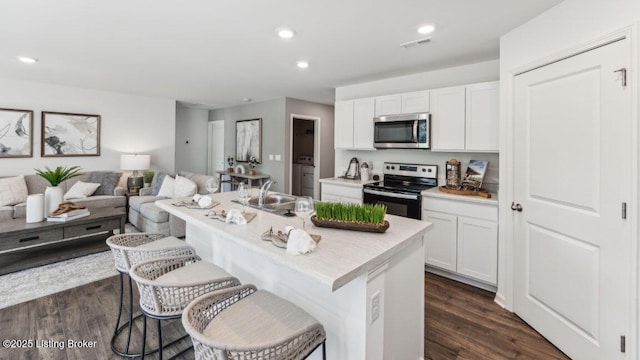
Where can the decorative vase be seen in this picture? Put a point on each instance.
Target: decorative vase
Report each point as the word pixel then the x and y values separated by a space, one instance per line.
pixel 35 208
pixel 52 199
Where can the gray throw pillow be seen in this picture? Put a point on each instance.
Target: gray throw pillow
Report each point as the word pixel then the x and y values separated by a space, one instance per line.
pixel 108 180
pixel 158 184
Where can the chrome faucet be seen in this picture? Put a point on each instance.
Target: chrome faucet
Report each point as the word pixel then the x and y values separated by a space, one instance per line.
pixel 264 189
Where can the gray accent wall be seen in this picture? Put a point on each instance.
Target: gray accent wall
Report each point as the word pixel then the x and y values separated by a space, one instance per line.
pixel 276 118
pixel 274 138
pixel 191 139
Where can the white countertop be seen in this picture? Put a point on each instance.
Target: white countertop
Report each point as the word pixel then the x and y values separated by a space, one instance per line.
pixel 346 182
pixel 340 257
pixel 434 192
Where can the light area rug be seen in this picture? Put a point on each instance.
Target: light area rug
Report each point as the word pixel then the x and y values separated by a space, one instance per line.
pixel 49 279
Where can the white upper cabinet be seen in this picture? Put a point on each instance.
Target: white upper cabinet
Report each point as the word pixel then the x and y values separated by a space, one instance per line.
pixel 354 124
pixel 343 138
pixel 482 117
pixel 406 103
pixel 465 118
pixel 448 118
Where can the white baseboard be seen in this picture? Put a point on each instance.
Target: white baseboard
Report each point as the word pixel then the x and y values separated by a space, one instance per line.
pixel 460 278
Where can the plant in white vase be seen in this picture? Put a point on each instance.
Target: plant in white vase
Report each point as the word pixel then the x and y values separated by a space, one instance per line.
pixel 53 194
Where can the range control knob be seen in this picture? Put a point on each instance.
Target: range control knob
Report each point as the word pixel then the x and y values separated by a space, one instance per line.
pixel 423 170
pixel 430 170
pixel 393 168
pixel 387 167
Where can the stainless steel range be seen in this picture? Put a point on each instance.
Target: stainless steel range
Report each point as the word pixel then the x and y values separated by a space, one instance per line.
pixel 401 187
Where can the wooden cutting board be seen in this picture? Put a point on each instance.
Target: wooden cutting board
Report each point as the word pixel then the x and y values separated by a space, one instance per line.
pixel 482 192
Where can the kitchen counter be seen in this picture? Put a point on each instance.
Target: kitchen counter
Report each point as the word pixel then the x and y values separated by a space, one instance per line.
pixel 435 193
pixel 336 283
pixel 346 182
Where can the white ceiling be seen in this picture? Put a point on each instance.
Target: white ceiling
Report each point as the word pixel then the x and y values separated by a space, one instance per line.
pixel 216 53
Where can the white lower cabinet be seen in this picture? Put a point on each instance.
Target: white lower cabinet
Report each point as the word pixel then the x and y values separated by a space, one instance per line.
pixel 463 240
pixel 341 194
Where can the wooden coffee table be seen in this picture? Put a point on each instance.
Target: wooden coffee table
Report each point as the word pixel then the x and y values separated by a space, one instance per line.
pixel 23 245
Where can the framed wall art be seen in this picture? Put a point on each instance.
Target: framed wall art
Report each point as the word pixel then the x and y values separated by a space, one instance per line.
pixel 70 134
pixel 16 133
pixel 249 140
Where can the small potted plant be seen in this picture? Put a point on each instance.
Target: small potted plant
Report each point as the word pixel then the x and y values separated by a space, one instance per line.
pixel 148 178
pixel 253 162
pixel 53 194
pixel 230 162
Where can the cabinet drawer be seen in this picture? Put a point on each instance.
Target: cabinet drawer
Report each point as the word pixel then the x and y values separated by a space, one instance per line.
pixel 353 192
pixel 479 211
pixel 91 228
pixel 8 242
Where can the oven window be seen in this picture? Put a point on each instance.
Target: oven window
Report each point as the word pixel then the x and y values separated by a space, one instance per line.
pixel 394 132
pixel 395 208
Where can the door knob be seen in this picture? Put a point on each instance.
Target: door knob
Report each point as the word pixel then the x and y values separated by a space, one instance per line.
pixel 516 207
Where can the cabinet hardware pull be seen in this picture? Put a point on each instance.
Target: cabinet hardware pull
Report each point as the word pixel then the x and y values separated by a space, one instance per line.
pixel 94 227
pixel 516 207
pixel 30 238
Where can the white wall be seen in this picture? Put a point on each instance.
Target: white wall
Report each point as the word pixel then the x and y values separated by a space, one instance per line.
pixel 460 75
pixel 129 124
pixel 191 139
pixel 556 31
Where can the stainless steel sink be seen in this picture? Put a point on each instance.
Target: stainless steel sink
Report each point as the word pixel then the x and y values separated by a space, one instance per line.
pixel 274 200
pixel 280 204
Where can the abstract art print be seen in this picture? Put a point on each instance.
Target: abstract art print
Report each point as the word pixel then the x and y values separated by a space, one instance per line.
pixel 70 134
pixel 248 140
pixel 16 133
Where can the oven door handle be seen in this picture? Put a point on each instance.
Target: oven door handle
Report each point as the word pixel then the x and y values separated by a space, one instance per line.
pixel 392 194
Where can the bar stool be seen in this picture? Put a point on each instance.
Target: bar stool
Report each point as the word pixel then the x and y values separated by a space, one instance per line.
pixel 129 249
pixel 246 323
pixel 168 285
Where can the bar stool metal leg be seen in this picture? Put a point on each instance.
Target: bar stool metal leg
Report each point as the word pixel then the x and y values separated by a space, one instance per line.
pixel 118 329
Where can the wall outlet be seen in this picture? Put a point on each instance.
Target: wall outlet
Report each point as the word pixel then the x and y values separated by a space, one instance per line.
pixel 375 307
pixel 271 157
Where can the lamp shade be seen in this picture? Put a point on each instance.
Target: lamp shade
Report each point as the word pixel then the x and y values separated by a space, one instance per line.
pixel 135 162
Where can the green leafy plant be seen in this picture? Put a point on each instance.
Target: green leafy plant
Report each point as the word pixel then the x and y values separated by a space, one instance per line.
pixel 60 174
pixel 148 177
pixel 365 213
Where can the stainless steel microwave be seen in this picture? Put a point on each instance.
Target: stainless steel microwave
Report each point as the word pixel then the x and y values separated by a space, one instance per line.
pixel 409 131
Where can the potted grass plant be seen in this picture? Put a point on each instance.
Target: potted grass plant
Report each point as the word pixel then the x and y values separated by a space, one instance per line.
pixel 359 217
pixel 53 194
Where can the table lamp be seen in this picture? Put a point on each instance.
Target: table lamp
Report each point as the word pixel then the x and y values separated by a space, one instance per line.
pixel 135 163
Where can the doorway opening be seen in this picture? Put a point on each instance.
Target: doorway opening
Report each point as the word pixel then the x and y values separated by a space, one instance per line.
pixel 304 160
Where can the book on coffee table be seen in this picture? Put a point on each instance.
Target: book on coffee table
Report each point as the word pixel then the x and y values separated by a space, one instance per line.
pixel 69 215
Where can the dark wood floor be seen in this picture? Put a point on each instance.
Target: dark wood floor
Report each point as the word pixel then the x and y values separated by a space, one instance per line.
pixel 461 322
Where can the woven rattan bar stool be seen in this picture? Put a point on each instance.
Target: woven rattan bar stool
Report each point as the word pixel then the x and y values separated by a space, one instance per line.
pixel 246 323
pixel 168 285
pixel 129 249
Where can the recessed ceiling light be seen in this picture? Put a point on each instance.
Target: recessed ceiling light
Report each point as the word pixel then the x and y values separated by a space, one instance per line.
pixel 27 60
pixel 426 28
pixel 286 33
pixel 302 64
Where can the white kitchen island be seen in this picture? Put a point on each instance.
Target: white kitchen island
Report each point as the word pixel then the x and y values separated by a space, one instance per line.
pixel 366 289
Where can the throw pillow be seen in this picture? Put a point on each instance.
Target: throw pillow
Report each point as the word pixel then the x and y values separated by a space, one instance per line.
pixel 167 187
pixel 184 187
pixel 81 190
pixel 107 179
pixel 158 184
pixel 13 190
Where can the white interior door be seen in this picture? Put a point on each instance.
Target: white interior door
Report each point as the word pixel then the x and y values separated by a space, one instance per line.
pixel 216 147
pixel 571 245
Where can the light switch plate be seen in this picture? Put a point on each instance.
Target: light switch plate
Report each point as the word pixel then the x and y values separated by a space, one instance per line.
pixel 271 157
pixel 278 157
